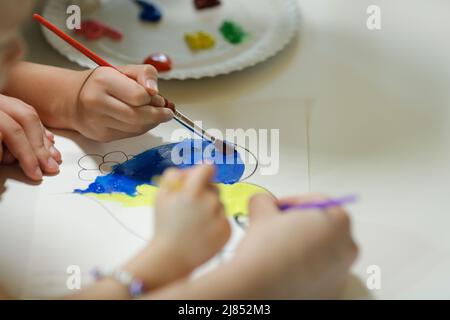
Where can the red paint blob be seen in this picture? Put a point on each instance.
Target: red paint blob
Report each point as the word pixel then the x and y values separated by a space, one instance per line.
pixel 94 30
pixel 160 61
pixel 203 4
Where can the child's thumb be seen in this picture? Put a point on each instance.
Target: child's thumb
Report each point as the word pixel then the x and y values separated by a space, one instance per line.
pixel 145 75
pixel 262 206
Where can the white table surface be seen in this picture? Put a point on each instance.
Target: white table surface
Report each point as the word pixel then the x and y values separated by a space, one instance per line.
pixel 378 127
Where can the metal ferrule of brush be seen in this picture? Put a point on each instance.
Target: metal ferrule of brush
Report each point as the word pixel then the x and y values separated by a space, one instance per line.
pixel 190 125
pixel 223 147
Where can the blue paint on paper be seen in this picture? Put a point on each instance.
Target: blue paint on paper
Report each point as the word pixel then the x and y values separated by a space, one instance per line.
pixel 143 168
pixel 112 183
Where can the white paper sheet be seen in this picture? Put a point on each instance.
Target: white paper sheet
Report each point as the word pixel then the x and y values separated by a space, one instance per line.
pixel 72 229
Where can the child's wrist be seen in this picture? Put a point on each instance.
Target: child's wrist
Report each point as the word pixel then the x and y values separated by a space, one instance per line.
pixel 251 282
pixel 172 253
pixel 62 113
pixel 72 108
pixel 158 265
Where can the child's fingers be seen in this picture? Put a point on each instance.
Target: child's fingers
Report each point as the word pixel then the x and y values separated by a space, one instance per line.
pixel 339 217
pixel 158 101
pixel 49 145
pixel 314 197
pixel 50 136
pixel 139 116
pixel 214 207
pixel 199 178
pixel 29 120
pixel 1 147
pixel 153 115
pixel 49 141
pixel 127 128
pixel 8 158
pixel 214 189
pixel 145 75
pixel 302 199
pixel 262 206
pixel 172 180
pixel 17 142
pixel 38 142
pixel 121 87
pixel 5 156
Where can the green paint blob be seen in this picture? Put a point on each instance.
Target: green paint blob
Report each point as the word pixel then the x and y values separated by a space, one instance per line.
pixel 233 32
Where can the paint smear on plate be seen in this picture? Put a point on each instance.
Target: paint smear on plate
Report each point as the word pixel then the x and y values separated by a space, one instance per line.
pixel 233 32
pixel 149 11
pixel 199 40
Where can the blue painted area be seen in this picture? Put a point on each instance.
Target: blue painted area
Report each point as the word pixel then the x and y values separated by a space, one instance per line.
pixel 112 183
pixel 149 11
pixel 144 167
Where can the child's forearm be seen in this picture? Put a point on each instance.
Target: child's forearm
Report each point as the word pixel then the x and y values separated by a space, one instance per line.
pixel 231 281
pixel 52 91
pixel 106 289
pixel 4 295
pixel 156 266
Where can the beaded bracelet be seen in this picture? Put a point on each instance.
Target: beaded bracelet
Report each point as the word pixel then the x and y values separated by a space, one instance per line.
pixel 135 286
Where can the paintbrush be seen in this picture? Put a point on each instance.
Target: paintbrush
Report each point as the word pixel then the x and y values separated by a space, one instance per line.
pixel 320 205
pixel 222 146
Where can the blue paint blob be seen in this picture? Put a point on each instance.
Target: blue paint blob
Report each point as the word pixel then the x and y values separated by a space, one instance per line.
pixel 112 183
pixel 126 177
pixel 149 11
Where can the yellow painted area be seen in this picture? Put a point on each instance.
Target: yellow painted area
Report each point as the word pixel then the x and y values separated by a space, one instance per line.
pixel 234 197
pixel 145 198
pixel 200 40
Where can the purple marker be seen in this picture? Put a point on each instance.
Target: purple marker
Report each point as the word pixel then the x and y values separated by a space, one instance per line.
pixel 321 205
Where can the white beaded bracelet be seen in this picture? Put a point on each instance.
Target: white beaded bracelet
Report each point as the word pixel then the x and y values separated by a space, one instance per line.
pixel 135 286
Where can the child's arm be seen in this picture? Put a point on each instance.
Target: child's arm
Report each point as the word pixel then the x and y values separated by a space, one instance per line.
pixel 293 255
pixel 102 104
pixel 190 228
pixel 4 295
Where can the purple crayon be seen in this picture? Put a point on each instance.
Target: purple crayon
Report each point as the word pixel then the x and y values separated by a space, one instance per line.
pixel 321 205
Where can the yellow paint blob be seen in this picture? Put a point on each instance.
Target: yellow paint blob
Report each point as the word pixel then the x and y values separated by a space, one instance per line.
pixel 234 197
pixel 200 40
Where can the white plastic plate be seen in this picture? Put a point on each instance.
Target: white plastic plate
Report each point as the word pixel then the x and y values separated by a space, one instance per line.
pixel 271 25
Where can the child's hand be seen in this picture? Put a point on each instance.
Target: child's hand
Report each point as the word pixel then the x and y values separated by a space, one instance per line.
pixel 23 137
pixel 190 219
pixel 113 106
pixel 190 228
pixel 303 254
